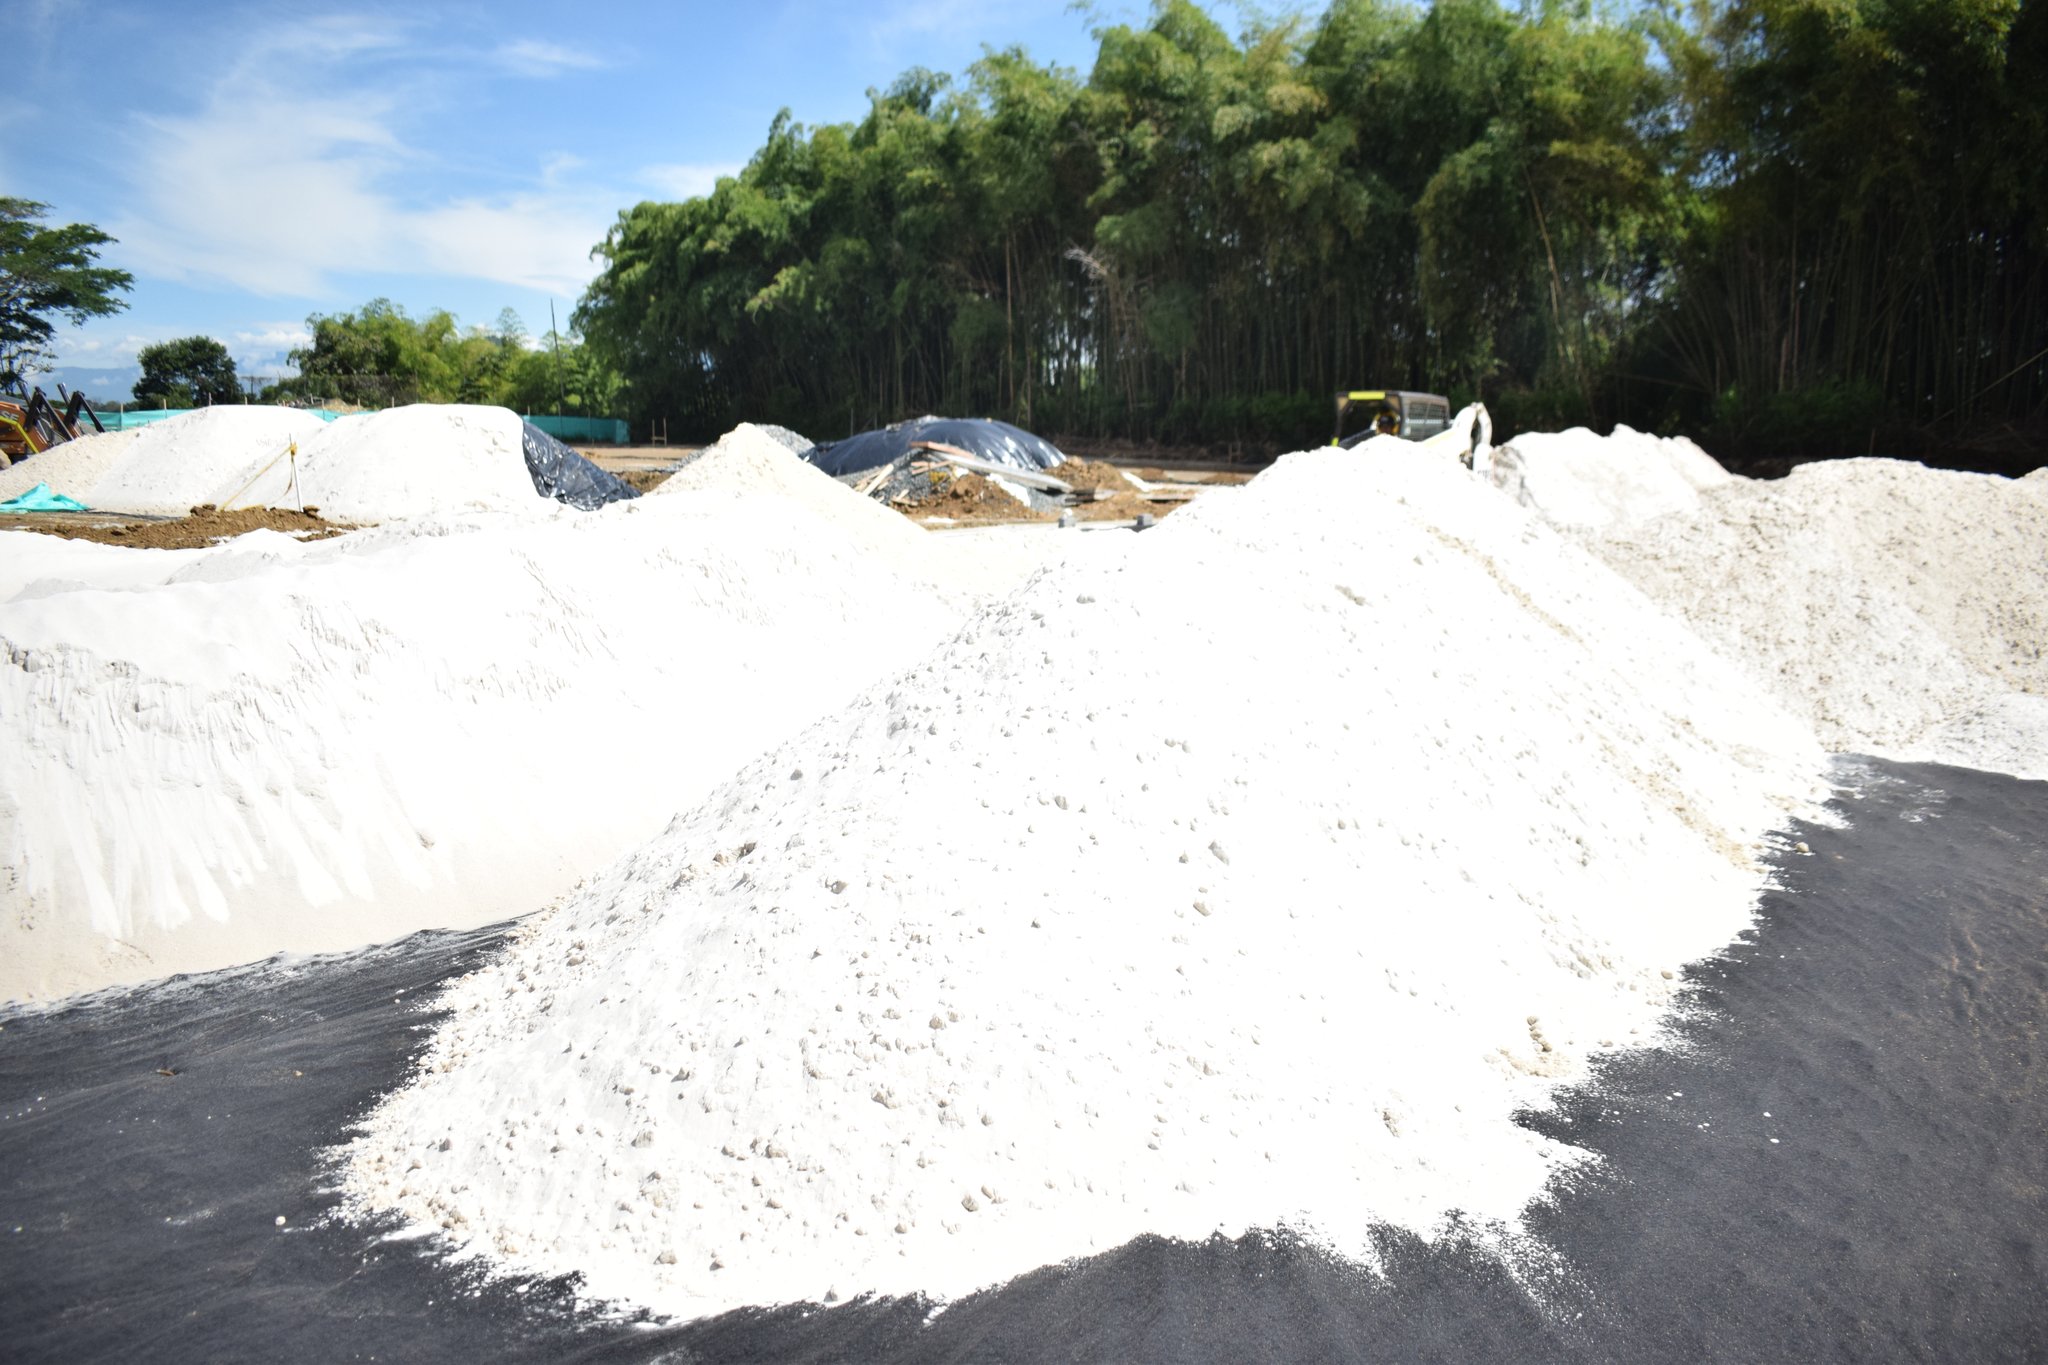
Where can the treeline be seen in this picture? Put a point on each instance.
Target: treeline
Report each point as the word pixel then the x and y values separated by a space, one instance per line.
pixel 1784 224
pixel 378 356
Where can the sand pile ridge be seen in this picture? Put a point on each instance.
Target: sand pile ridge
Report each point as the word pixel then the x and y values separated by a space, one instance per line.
pixel 1255 877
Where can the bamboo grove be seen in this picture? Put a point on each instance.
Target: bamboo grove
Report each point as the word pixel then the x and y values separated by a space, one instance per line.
pixel 1785 223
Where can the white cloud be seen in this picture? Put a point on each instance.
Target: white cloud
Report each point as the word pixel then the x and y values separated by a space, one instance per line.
pixel 273 336
pixel 531 57
pixel 100 346
pixel 683 180
pixel 293 170
pixel 538 242
pixel 259 348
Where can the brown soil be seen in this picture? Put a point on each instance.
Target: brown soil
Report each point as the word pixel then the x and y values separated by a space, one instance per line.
pixel 1091 474
pixel 1250 457
pixel 204 526
pixel 1124 503
pixel 619 459
pixel 972 498
pixel 1207 478
pixel 644 479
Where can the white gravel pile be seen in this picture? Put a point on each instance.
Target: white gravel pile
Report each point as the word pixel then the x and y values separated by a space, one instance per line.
pixel 1576 479
pixel 750 457
pixel 73 468
pixel 1901 610
pixel 205 456
pixel 428 458
pixel 215 755
pixel 1257 876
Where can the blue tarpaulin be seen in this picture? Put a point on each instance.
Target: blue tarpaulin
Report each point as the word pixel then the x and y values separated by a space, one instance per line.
pixel 41 499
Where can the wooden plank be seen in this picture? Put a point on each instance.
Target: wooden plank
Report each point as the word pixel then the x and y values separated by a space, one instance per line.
pixel 1030 478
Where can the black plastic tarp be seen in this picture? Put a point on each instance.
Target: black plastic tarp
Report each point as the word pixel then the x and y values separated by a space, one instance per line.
pixel 981 437
pixel 560 473
pixel 168 1189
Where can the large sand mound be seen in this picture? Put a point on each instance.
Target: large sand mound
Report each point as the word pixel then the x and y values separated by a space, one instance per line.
pixel 1901 610
pixel 214 755
pixel 1256 877
pixel 169 467
pixel 421 460
pixel 72 469
pixel 405 462
pixel 1577 479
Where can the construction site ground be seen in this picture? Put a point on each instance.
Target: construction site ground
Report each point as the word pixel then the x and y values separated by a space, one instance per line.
pixel 969 500
pixel 202 526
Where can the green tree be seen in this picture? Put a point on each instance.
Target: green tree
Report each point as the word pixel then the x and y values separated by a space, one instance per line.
pixel 1868 255
pixel 378 356
pixel 46 274
pixel 186 373
pixel 1738 211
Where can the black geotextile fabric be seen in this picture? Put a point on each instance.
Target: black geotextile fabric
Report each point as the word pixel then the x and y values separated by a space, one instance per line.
pixel 982 437
pixel 1836 1156
pixel 560 473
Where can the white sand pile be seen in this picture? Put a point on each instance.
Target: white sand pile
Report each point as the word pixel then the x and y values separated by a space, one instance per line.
pixel 749 457
pixel 407 462
pixel 214 755
pixel 205 456
pixel 422 460
pixel 167 468
pixel 1902 610
pixel 73 468
pixel 754 459
pixel 1255 877
pixel 1577 479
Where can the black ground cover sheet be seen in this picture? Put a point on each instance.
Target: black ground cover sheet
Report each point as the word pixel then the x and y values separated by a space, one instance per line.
pixel 1888 1014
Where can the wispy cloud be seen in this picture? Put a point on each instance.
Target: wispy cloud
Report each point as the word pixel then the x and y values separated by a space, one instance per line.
pixel 280 179
pixel 532 57
pixel 272 336
pixel 687 180
pixel 537 242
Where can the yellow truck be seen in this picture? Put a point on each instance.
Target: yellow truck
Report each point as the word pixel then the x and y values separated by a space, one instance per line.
pixel 1391 412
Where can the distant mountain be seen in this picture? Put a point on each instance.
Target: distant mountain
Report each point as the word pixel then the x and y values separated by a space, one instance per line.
pixel 110 385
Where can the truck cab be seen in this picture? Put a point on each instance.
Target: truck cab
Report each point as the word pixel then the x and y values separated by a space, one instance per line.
pixel 1394 412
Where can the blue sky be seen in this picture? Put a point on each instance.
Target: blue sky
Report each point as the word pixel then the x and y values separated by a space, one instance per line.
pixel 262 162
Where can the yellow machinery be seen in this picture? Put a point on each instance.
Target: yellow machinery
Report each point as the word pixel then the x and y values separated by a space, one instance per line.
pixel 1392 412
pixel 33 423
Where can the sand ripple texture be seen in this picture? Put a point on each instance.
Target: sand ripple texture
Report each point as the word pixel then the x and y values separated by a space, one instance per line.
pixel 1255 876
pixel 215 755
pixel 1901 610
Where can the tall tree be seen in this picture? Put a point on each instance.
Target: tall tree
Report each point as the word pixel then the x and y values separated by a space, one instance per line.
pixel 48 274
pixel 189 372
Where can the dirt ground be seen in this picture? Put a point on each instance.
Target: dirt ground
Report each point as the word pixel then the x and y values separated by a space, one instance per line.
pixel 973 500
pixel 202 527
pixel 624 460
